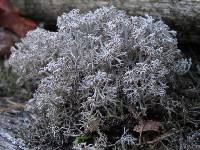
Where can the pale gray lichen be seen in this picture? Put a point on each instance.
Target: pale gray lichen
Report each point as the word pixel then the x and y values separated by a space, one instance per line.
pixel 94 64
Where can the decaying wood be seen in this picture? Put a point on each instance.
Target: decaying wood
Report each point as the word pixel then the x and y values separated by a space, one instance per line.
pixel 183 15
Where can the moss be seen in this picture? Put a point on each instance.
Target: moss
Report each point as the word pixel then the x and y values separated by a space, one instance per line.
pixel 81 139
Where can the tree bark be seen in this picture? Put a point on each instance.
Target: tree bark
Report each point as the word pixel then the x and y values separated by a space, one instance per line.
pixel 181 15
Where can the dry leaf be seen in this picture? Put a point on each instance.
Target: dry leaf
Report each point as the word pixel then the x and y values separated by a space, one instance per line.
pixel 145 126
pixel 12 20
pixel 5 5
pixel 148 125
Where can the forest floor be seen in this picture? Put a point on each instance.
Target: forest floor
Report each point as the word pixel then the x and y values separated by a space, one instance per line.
pixel 14 96
pixel 12 117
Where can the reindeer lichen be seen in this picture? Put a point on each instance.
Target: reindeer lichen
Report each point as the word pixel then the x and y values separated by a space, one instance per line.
pixel 92 69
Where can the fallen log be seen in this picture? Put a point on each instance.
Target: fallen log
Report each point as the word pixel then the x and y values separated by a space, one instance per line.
pixel 182 15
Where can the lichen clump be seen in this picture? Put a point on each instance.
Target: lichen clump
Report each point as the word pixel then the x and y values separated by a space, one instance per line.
pixel 92 70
